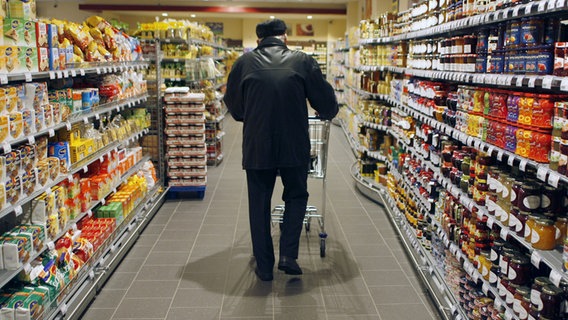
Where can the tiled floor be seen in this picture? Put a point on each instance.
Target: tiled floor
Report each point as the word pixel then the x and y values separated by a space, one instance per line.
pixel 194 259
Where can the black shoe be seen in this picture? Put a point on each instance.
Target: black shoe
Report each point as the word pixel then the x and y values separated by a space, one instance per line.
pixel 264 276
pixel 289 266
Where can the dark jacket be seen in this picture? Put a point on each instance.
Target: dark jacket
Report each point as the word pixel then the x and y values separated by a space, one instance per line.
pixel 267 90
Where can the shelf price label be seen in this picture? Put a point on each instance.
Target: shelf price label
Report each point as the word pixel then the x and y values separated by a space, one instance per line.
pixel 510 160
pixel 523 165
pixel 18 210
pixel 553 179
pixel 560 3
pixel 564 84
pixel 490 222
pixel 485 287
pixel 532 81
pixel 28 76
pixel 536 258
pixel 528 8
pixel 3 79
pixel 51 75
pixel 31 140
pixel 541 173
pixel 68 125
pixel 73 73
pixel 555 277
pixel 519 81
pixel 82 72
pixel 516 11
pixel 547 82
pixel 7 147
pixel 504 233
pixel 66 73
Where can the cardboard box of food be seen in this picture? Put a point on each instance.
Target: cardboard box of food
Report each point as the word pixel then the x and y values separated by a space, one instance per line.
pixel 18 32
pixel 22 9
pixel 28 57
pixel 41 35
pixel 9 55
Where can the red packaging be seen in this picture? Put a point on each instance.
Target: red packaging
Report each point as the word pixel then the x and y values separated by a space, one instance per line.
pixel 543 111
pixel 540 146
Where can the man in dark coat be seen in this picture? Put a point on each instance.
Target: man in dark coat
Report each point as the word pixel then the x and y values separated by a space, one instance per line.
pixel 267 90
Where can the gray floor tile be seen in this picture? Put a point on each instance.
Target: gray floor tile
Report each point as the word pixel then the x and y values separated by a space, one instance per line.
pixel 394 294
pixel 300 312
pixel 185 298
pixel 109 298
pixel 98 314
pixel 130 264
pixel 209 281
pixel 247 306
pixel 158 273
pixel 143 308
pixel 378 263
pixel 157 258
pixel 371 250
pixel 120 280
pixel 149 289
pixel 172 246
pixel 193 314
pixel 350 305
pixel 140 252
pixel 405 311
pixel 375 278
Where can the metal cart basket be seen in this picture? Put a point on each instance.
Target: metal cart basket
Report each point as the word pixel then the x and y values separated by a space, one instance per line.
pixel 319 141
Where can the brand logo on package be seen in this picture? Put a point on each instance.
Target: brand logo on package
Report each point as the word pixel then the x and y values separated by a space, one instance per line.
pixel 9 51
pixel 15 24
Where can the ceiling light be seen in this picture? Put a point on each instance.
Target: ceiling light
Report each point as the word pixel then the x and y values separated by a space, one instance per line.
pixel 309 17
pixel 272 17
pixel 193 15
pixel 165 14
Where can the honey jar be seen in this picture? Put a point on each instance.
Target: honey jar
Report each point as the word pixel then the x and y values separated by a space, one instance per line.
pixel 543 234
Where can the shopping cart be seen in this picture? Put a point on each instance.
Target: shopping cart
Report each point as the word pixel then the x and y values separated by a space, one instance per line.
pixel 319 140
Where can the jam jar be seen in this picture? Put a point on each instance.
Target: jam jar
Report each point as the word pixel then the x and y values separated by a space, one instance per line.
pixel 543 235
pixel 529 196
pixel 519 296
pixel 520 270
pixel 551 297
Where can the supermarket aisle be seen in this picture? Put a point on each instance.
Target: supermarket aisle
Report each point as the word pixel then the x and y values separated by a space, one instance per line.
pixel 193 260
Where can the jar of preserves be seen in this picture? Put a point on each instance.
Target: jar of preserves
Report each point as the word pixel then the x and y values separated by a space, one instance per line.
pixel 520 270
pixel 523 218
pixel 525 307
pixel 494 274
pixel 510 295
pixel 496 249
pixel 543 234
pixel 561 225
pixel 518 298
pixel 551 297
pixel 548 200
pixel 505 258
pixel 529 196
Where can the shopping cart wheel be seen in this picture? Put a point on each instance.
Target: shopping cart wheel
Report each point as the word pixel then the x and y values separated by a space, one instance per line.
pixel 323 236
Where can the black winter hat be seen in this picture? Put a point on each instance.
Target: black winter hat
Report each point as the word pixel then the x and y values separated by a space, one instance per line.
pixel 273 27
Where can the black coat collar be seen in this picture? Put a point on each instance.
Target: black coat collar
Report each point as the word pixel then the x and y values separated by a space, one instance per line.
pixel 271 42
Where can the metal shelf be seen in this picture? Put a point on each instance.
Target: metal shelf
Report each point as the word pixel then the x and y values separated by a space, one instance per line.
pixel 75 71
pixel 533 8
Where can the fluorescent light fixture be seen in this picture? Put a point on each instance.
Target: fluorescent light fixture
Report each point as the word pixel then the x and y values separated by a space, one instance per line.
pixel 193 15
pixel 165 14
pixel 272 17
pixel 310 17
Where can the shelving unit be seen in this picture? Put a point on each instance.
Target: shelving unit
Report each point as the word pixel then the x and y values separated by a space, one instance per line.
pixel 425 159
pixel 70 300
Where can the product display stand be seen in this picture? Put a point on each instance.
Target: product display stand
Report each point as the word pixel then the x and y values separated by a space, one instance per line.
pixel 442 219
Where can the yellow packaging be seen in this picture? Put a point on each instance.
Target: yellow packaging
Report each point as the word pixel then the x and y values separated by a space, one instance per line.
pixel 4 127
pixel 78 152
pixel 3 9
pixel 2 168
pixel 2 195
pixel 10 56
pixel 89 146
pixel 22 9
pixel 12 98
pixel 16 124
pixel 42 173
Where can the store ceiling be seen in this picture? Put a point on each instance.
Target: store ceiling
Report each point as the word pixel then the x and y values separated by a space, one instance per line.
pixel 284 9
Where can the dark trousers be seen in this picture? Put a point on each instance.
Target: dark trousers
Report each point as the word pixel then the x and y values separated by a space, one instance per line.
pixel 295 197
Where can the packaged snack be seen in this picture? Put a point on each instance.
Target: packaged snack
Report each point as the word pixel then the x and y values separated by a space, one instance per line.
pixel 16 124
pixel 13 163
pixel 4 127
pixel 22 9
pixel 42 173
pixel 2 197
pixel 52 40
pixel 54 167
pixel 28 122
pixel 38 234
pixel 15 251
pixel 10 56
pixel 29 181
pixel 41 35
pixel 41 147
pixel 39 118
pixel 43 59
pixel 53 56
pixel 13 190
